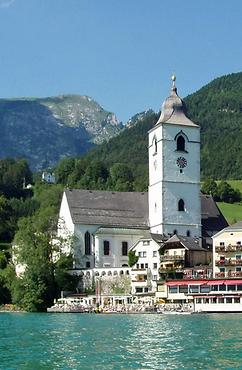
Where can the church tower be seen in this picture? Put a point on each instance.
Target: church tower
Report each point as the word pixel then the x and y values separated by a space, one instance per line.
pixel 174 171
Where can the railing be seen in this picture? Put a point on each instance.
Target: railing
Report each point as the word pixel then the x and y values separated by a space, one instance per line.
pixel 228 248
pixel 229 262
pixel 168 257
pixel 143 270
pixel 137 280
pixel 228 274
pixel 198 276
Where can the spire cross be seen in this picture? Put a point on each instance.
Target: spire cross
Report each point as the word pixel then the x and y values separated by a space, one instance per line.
pixel 173 78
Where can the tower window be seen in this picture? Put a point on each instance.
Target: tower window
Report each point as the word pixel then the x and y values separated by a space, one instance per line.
pixel 154 143
pixel 175 232
pixel 181 205
pixel 87 243
pixel 180 143
pixel 188 233
pixel 106 248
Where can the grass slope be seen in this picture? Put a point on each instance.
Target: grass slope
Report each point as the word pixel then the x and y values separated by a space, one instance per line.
pixel 232 212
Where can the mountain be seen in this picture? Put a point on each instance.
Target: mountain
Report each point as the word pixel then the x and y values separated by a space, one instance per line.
pixel 45 130
pixel 217 108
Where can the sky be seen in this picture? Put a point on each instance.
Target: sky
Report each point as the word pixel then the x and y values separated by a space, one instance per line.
pixel 121 53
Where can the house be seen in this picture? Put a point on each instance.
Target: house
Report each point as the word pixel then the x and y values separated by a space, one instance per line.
pixel 227 252
pixel 145 272
pixel 180 252
pixel 48 177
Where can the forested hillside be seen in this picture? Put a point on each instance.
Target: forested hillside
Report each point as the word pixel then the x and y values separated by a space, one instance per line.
pixel 217 108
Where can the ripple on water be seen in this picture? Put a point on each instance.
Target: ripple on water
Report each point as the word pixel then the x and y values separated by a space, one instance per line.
pixel 76 341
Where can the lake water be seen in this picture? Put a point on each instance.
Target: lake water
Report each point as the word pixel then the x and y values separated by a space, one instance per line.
pixel 89 341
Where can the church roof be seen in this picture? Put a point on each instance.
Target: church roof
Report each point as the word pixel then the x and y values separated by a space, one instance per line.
pixel 212 218
pixel 108 208
pixel 130 210
pixel 173 110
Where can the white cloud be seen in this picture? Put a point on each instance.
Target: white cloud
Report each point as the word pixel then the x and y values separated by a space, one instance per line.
pixel 6 3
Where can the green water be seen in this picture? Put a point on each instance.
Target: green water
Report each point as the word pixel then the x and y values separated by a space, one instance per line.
pixel 89 341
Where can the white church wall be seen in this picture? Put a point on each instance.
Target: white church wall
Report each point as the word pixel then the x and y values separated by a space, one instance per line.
pixel 115 239
pixel 81 259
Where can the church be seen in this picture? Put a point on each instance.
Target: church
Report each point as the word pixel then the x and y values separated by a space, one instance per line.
pixel 104 226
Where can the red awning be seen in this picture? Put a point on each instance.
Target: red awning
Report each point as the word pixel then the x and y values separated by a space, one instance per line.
pixel 204 282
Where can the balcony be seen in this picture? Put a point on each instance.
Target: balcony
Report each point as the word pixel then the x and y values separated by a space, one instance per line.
pixel 228 248
pixel 139 278
pixel 168 257
pixel 229 274
pixel 229 262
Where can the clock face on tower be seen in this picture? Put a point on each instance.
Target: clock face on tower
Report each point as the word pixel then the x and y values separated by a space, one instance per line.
pixel 181 162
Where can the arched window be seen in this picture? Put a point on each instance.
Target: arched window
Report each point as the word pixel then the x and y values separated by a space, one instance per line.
pixel 87 243
pixel 180 143
pixel 181 205
pixel 188 233
pixel 154 143
pixel 175 232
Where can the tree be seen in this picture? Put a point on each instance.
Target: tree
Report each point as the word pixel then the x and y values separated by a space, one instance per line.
pixel 64 169
pixel 132 258
pixel 13 175
pixel 210 187
pixel 227 194
pixel 121 177
pixel 35 251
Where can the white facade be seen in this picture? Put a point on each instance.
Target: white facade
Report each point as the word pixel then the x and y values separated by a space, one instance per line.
pixel 48 177
pixel 227 252
pixel 108 246
pixel 145 273
pixel 174 175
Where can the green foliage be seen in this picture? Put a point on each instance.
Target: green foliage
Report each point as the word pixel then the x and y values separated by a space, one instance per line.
pixel 132 258
pixel 221 191
pixel 226 193
pixel 13 174
pixel 63 279
pixel 217 108
pixel 210 187
pixel 63 169
pixel 46 268
pixel 119 165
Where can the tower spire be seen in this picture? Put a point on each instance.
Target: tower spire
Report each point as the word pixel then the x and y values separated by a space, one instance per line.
pixel 173 79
